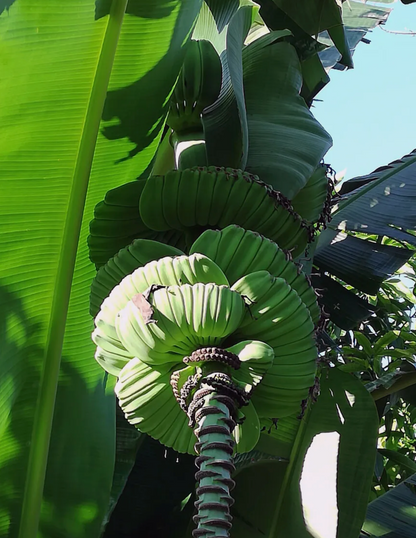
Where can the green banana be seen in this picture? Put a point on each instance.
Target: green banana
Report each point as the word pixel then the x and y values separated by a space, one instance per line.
pixel 117 222
pixel 232 200
pixel 187 198
pixel 294 348
pixel 166 271
pixel 198 86
pixel 239 252
pixel 247 435
pixel 146 399
pixel 137 254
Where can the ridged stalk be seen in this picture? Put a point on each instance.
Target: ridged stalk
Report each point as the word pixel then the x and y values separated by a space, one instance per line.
pixel 215 462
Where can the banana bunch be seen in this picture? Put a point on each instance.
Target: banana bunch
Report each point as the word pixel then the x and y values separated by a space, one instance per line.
pixel 174 209
pixel 198 87
pixel 235 250
pixel 194 199
pixel 170 309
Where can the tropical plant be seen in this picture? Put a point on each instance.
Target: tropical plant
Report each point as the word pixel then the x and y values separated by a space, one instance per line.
pixel 90 87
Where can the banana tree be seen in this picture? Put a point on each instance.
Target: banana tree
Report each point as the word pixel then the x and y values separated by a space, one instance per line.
pixel 133 342
pixel 207 318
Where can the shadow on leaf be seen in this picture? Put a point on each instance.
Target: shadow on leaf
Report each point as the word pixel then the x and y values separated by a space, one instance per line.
pixel 137 8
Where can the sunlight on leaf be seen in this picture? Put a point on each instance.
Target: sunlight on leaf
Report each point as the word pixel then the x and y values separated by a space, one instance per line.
pixel 318 485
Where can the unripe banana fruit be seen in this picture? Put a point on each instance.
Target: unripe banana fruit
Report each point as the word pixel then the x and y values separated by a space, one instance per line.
pixel 176 323
pixel 215 197
pixel 198 86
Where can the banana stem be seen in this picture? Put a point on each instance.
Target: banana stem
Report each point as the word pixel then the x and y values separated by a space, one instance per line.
pixel 215 462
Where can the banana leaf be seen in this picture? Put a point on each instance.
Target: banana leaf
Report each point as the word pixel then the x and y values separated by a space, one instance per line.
pixel 393 515
pixel 317 16
pixel 225 122
pixel 361 263
pixel 286 143
pixel 323 491
pixel 381 203
pixel 359 18
pixel 58 60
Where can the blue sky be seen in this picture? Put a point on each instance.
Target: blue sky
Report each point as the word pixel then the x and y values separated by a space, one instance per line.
pixel 370 111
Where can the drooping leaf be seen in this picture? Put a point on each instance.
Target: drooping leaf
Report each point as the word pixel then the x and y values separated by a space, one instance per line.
pixel 382 202
pixel 225 122
pixel 363 264
pixel 327 486
pixel 59 59
pixel 393 514
pixel 317 16
pixel 286 143
pixel 358 18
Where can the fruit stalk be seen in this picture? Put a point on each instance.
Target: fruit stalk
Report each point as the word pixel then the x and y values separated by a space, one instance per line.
pixel 215 423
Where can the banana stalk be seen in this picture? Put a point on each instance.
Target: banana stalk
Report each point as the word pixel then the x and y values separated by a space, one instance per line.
pixel 215 445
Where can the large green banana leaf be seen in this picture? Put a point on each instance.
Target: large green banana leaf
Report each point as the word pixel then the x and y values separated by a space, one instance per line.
pixel 56 62
pixel 286 143
pixel 323 490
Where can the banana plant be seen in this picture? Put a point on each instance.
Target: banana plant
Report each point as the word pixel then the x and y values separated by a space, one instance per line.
pixel 184 332
pixel 205 319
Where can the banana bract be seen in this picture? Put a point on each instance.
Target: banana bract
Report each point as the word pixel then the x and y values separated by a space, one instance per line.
pixel 168 310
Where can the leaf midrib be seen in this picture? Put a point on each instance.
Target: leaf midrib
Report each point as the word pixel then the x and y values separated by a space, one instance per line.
pixel 38 457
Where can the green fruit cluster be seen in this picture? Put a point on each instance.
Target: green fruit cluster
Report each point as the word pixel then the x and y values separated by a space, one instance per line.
pixel 237 290
pixel 177 207
pixel 199 263
pixel 198 86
